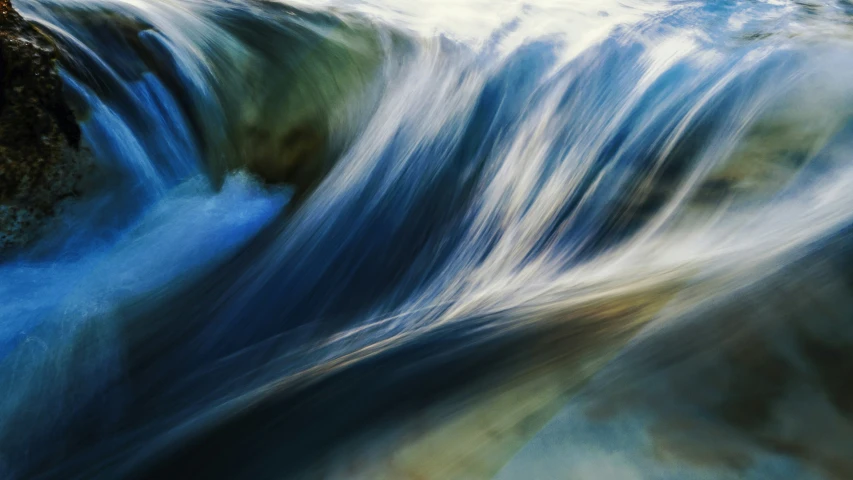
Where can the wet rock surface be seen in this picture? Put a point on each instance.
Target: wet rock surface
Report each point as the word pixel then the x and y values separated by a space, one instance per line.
pixel 40 163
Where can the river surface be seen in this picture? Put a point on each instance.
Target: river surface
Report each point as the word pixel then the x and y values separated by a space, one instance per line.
pixel 497 240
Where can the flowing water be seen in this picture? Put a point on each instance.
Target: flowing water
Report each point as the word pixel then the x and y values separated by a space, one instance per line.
pixel 555 239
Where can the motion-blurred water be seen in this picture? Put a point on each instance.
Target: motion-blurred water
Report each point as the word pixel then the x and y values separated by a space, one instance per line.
pixel 556 239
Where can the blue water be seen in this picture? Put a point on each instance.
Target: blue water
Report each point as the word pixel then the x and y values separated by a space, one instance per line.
pixel 499 197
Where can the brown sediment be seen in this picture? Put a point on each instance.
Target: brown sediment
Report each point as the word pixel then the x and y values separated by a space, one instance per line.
pixel 39 136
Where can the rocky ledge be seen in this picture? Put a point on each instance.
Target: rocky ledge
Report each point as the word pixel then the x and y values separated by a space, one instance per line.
pixel 39 136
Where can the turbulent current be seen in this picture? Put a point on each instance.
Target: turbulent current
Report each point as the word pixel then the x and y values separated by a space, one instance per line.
pixel 472 239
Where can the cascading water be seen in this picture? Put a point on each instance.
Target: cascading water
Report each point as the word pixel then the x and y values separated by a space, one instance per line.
pixel 387 239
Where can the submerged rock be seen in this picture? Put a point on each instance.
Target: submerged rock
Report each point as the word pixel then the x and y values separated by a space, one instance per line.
pixel 297 108
pixel 39 136
pixel 263 87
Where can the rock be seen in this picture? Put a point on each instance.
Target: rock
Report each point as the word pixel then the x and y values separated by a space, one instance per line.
pixel 39 136
pixel 292 112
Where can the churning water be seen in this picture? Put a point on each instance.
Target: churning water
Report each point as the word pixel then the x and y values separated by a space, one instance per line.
pixel 554 239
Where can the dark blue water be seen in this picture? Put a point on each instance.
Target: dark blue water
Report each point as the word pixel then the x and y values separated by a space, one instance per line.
pixel 314 230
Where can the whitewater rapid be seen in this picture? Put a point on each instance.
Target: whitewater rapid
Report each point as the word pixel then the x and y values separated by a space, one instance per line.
pixel 310 221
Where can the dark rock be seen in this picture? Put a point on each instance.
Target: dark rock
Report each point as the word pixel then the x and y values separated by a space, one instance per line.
pixel 39 136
